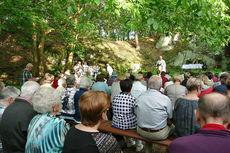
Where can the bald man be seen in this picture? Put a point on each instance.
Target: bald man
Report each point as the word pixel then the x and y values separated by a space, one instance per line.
pixel 213 115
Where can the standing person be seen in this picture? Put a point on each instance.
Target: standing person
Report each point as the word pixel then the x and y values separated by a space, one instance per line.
pixel 85 67
pixel 16 119
pixel 161 65
pixel 46 133
pixel 213 137
pixel 85 137
pixel 77 66
pixel 154 112
pixel 26 74
pixel 109 70
pixel 96 69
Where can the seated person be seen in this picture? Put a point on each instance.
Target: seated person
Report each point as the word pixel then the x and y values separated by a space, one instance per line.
pixel 176 90
pixel 213 137
pixel 115 88
pixel 47 81
pixel 187 75
pixel 7 96
pixel 85 84
pixel 183 115
pixel 222 87
pixel 123 111
pixel 100 85
pixel 46 133
pixel 206 88
pixel 16 118
pixel 85 137
pixel 67 98
pixel 138 87
pixel 228 86
pixel 154 111
pixel 112 79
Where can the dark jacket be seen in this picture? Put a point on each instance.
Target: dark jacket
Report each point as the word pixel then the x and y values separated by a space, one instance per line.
pixel 76 99
pixel 14 124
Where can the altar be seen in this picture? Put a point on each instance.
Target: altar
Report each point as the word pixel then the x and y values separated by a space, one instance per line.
pixel 192 66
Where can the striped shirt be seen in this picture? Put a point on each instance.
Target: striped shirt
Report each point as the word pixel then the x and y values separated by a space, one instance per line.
pixel 25 75
pixel 46 134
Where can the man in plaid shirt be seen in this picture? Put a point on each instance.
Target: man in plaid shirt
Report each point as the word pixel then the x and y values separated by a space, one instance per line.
pixel 26 74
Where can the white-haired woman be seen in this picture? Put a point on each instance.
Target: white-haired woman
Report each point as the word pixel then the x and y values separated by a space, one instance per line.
pixel 46 133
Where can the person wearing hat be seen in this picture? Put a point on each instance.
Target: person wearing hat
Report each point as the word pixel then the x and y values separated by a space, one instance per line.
pixel 138 88
pixel 26 74
pixel 112 79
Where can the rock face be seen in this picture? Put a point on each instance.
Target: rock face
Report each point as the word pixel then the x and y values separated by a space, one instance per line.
pixel 180 59
pixel 164 43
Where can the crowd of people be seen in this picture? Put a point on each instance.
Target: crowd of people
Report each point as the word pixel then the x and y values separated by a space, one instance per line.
pixel 194 108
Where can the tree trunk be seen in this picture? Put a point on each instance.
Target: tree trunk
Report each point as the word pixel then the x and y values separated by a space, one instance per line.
pixel 35 54
pixel 41 64
pixel 70 59
pixel 137 41
pixel 108 36
pixel 224 61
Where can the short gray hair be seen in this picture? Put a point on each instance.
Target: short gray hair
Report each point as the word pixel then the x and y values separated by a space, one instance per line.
pixel 44 100
pixel 8 92
pixel 29 88
pixel 85 82
pixel 155 82
pixel 70 80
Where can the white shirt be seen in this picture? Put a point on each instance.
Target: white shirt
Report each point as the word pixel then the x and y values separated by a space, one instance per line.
pixel 137 89
pixel 109 70
pixel 162 65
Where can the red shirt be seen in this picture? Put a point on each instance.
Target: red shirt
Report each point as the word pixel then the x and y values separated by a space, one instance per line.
pixel 205 91
pixel 213 127
pixel 164 79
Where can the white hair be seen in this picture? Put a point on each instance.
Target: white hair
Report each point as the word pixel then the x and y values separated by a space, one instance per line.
pixel 61 81
pixel 44 100
pixel 29 88
pixel 9 92
pixel 29 65
pixel 85 82
pixel 155 82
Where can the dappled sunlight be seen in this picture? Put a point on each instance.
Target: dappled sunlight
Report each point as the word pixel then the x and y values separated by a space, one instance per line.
pixel 15 59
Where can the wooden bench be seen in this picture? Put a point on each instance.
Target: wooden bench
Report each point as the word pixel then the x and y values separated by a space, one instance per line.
pixel 106 127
